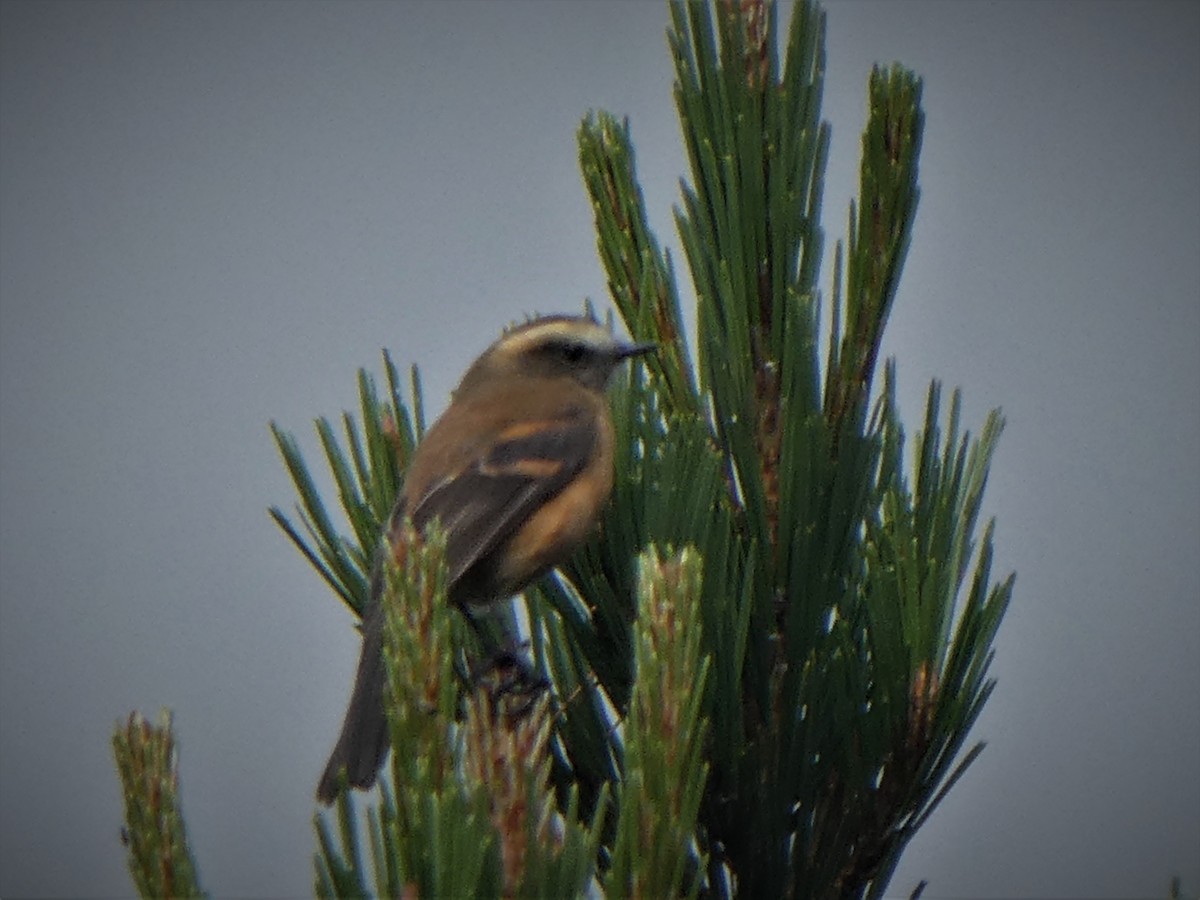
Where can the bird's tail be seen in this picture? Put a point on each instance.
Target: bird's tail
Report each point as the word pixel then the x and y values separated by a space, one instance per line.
pixel 363 743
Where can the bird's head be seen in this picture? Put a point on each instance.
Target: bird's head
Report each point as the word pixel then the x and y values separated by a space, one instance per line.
pixel 555 346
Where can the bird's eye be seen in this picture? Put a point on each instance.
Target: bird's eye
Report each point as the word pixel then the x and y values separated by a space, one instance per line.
pixel 564 352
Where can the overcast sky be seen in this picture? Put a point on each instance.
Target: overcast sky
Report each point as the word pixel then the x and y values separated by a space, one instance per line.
pixel 211 214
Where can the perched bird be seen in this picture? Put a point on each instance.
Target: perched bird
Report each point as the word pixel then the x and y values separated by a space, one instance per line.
pixel 517 470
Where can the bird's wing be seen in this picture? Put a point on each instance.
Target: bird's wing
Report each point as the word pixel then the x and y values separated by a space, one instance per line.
pixel 484 502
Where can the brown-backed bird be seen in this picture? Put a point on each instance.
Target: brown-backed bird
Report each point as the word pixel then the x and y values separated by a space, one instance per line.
pixel 517 470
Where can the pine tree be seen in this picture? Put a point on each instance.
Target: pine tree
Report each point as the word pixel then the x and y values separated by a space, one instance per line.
pixel 766 663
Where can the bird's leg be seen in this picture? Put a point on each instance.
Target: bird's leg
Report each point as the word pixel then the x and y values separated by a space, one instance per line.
pixel 510 683
pixel 504 669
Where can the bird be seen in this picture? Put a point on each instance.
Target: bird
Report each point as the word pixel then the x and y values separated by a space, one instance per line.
pixel 517 471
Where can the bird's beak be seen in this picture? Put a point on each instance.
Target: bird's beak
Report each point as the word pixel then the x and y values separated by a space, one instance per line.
pixel 625 351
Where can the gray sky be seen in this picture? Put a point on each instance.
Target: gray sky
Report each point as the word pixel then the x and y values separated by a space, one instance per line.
pixel 212 214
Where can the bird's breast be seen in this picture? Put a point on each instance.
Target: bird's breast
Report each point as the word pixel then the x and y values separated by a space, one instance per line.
pixel 564 522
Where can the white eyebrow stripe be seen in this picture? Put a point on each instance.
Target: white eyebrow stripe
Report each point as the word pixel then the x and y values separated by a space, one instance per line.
pixel 528 337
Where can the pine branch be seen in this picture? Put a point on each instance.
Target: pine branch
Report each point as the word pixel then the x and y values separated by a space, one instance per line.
pixel 879 235
pixel 852 696
pixel 368 473
pixel 664 770
pixel 154 835
pixel 641 280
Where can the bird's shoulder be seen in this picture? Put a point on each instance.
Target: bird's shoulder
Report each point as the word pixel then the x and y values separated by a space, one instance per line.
pixel 496 424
